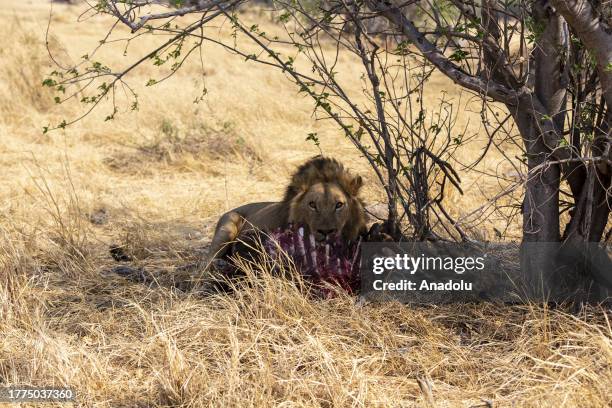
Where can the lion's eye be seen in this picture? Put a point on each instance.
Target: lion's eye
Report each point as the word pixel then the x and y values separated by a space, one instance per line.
pixel 339 205
pixel 312 205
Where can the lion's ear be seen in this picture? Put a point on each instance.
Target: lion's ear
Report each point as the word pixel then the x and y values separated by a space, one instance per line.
pixel 355 184
pixel 294 189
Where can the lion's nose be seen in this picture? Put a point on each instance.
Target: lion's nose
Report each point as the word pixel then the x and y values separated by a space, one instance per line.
pixel 326 232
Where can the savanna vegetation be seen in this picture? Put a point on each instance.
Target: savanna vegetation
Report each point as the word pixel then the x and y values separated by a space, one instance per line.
pixel 152 180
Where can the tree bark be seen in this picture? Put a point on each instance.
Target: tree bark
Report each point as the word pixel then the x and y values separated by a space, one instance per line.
pixel 541 201
pixel 596 35
pixel 593 204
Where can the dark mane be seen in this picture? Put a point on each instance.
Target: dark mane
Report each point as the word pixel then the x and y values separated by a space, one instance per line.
pixel 321 169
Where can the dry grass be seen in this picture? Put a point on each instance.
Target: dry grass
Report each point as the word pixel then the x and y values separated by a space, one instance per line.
pixel 153 182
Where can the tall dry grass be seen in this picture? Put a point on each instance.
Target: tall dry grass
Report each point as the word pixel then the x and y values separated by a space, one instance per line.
pixel 153 182
pixel 126 344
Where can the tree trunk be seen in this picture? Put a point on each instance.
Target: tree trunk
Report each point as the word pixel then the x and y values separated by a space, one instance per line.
pixel 540 211
pixel 541 201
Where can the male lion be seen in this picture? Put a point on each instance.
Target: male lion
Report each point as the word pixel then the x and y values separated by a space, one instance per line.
pixel 322 197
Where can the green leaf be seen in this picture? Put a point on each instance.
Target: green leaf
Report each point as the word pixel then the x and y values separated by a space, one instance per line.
pixel 314 138
pixel 284 17
pixel 458 55
pixel 49 82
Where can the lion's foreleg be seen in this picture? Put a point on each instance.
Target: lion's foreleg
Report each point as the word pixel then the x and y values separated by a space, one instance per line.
pixel 227 230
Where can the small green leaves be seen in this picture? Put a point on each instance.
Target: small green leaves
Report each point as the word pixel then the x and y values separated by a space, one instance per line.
pixel 314 138
pixel 406 169
pixel 321 101
pixel 458 55
pixel 174 53
pixel 359 133
pixel 49 82
pixel 111 116
pixel 284 18
pixel 403 48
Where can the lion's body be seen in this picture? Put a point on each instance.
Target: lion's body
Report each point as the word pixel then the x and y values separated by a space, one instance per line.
pixel 322 197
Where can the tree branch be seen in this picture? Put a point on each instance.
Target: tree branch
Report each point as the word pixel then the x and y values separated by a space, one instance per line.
pixel 596 36
pixel 489 88
pixel 142 20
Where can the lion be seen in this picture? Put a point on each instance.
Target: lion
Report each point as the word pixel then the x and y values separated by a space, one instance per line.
pixel 322 197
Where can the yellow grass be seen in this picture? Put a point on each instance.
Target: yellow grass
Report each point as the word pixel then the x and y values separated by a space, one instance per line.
pixel 158 179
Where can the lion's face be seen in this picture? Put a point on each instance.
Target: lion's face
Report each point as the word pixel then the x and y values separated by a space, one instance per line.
pixel 326 210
